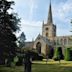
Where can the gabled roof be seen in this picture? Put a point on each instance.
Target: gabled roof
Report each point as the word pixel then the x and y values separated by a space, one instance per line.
pixel 46 40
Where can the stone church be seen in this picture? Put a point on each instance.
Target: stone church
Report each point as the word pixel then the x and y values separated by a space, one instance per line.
pixel 48 40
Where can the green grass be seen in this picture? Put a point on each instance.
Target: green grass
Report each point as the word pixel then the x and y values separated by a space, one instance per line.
pixel 41 66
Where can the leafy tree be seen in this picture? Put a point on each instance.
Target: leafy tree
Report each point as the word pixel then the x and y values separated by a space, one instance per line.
pixel 8 25
pixel 21 40
pixel 14 22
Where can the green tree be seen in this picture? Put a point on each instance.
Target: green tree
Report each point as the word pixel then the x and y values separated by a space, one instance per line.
pixel 68 54
pixel 8 25
pixel 21 40
pixel 58 54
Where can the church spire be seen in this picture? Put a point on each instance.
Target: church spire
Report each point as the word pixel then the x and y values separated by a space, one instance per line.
pixel 49 20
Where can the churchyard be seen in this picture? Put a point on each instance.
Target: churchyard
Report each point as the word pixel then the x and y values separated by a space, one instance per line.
pixel 42 66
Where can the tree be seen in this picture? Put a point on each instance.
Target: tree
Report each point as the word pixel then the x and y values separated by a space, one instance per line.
pixel 14 22
pixel 8 25
pixel 21 40
pixel 58 54
pixel 68 54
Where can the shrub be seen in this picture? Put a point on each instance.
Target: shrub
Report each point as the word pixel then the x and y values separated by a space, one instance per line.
pixel 20 61
pixel 68 54
pixel 36 56
pixel 58 54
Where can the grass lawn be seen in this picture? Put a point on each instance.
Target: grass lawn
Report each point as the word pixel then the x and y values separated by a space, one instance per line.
pixel 41 66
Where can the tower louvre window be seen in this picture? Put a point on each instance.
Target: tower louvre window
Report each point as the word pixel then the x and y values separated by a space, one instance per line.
pixel 46 34
pixel 46 29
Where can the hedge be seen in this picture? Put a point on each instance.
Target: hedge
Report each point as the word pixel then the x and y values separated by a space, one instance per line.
pixel 68 54
pixel 58 54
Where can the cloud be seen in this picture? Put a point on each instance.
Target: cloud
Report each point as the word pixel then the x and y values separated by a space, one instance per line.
pixel 33 6
pixel 26 9
pixel 31 25
pixel 31 29
pixel 62 14
pixel 63 10
pixel 63 32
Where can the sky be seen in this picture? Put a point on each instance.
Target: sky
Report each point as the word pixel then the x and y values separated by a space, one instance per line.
pixel 33 12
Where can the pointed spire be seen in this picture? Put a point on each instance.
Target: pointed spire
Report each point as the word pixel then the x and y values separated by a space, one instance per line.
pixel 49 20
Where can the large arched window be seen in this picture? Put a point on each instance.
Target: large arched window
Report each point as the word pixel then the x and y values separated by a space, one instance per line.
pixel 38 47
pixel 46 29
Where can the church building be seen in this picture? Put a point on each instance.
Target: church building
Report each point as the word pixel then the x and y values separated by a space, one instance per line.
pixel 48 40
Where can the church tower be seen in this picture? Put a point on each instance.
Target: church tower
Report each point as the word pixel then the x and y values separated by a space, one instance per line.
pixel 49 29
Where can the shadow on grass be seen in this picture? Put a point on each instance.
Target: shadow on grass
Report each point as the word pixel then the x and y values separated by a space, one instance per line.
pixel 40 68
pixel 52 68
pixel 67 68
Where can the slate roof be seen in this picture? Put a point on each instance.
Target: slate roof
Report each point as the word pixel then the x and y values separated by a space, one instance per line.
pixel 46 40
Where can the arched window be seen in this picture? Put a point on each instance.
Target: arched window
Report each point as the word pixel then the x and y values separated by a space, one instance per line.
pixel 46 29
pixel 38 47
pixel 46 34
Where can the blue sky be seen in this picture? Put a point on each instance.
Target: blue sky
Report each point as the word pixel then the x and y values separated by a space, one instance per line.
pixel 33 12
